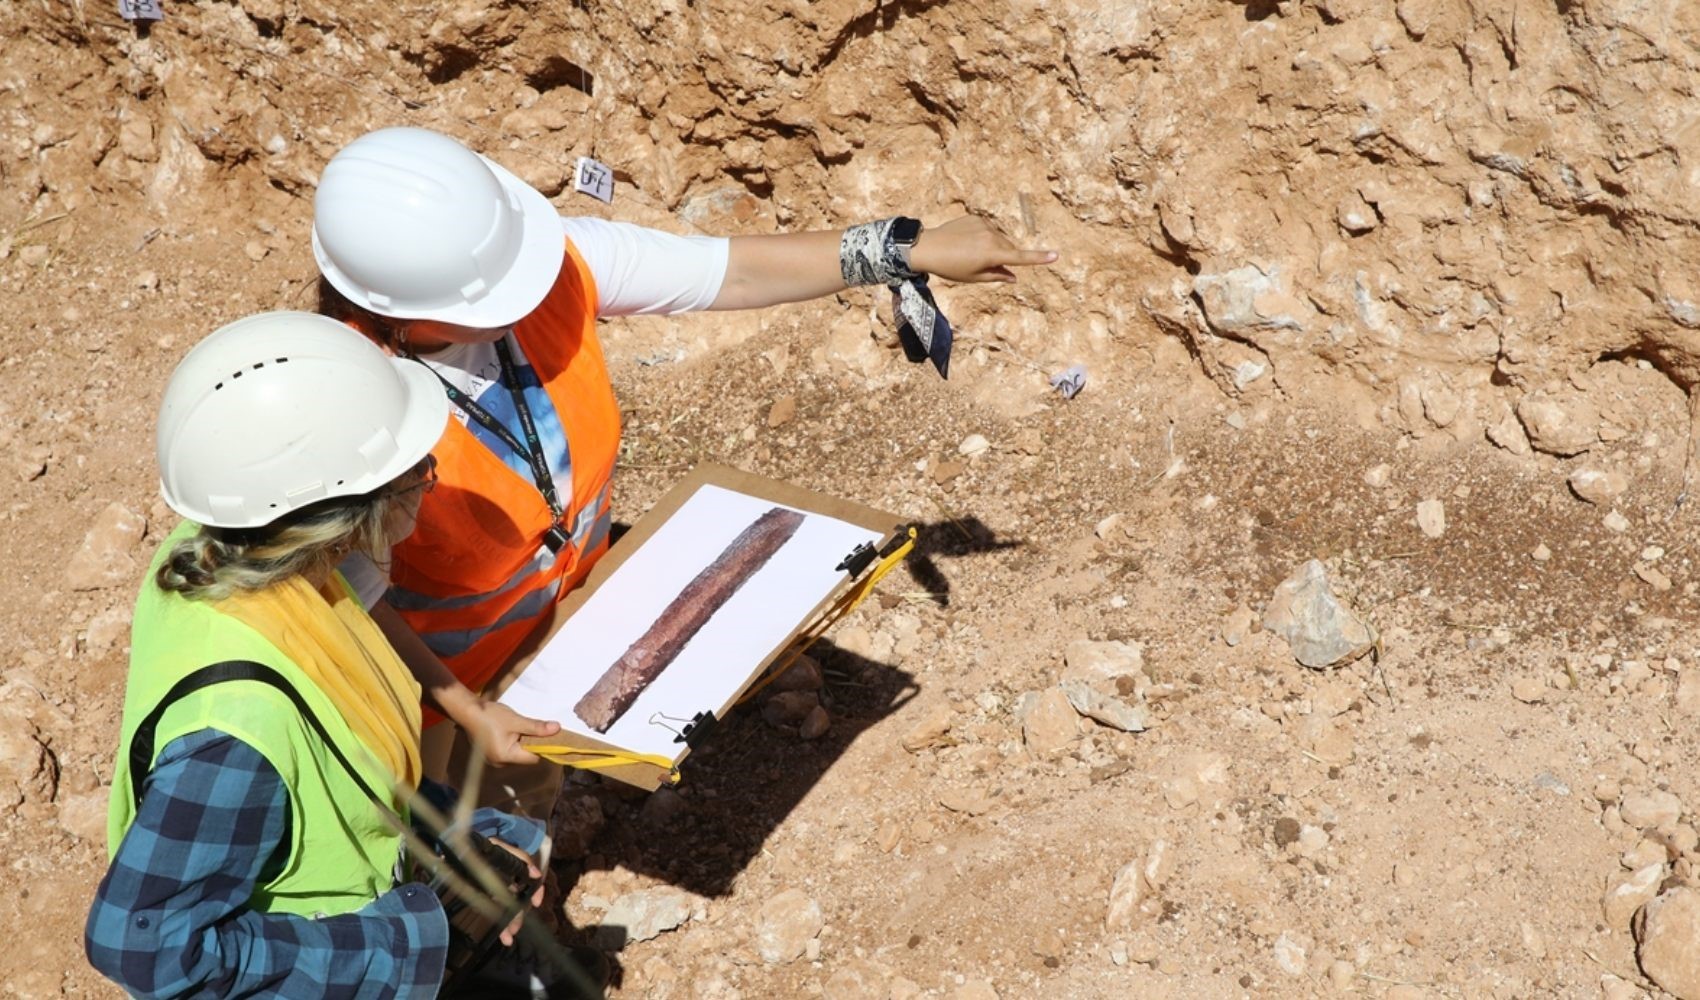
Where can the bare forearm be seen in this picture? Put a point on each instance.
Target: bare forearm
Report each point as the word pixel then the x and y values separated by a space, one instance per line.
pixel 442 688
pixel 789 267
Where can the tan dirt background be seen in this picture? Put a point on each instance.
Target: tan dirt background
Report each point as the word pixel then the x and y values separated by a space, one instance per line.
pixel 1301 240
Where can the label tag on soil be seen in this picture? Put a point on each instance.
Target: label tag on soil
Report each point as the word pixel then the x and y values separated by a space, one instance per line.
pixel 590 177
pixel 140 10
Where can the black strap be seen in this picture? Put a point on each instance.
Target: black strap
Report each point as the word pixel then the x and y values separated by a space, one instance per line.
pixel 141 743
pixel 532 449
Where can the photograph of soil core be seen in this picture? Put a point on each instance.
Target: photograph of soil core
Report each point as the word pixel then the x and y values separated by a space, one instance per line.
pixel 686 619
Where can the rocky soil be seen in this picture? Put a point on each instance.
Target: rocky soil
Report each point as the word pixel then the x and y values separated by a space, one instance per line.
pixel 1404 288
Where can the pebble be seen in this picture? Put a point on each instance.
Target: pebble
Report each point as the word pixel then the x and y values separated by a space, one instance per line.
pixel 1378 476
pixel 645 914
pixel 1541 553
pixel 1645 852
pixel 108 629
pixel 1651 810
pixel 255 250
pixel 1431 518
pixel 789 708
pixel 1653 577
pixel 1627 892
pixel 1688 691
pixel 975 989
pixel 1668 932
pixel 1127 892
pixel 1598 486
pixel 1341 974
pixel 1092 661
pixel 104 559
pixel 1114 712
pixel 802 675
pixel 786 925
pixel 1529 690
pixel 1613 988
pixel 1050 723
pixel 973 444
pixel 1562 423
pixel 1616 522
pixel 783 411
pixel 84 815
pixel 1289 955
pixel 147 280
pixel 1104 528
pixel 1236 625
pixel 1320 630
pixel 932 728
pixel 815 724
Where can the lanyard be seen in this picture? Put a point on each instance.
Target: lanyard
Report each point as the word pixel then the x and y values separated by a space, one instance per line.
pixel 531 450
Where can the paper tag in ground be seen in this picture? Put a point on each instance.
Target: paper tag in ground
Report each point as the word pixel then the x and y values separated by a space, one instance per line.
pixel 592 177
pixel 140 10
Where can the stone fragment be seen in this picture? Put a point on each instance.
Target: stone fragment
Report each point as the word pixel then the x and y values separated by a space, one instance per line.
pixel 84 815
pixel 815 724
pixel 1508 434
pixel 27 771
pixel 1650 810
pixel 1559 423
pixel 1127 892
pixel 1541 553
pixel 1627 892
pixel 1116 713
pixel 645 914
pixel 1355 215
pixel 966 801
pixel 1529 690
pixel 1321 631
pixel 108 629
pixel 973 444
pixel 1093 661
pixel 1378 476
pixel 1653 577
pixel 1236 625
pixel 802 675
pixel 932 729
pixel 1431 518
pixel 1667 932
pixel 1340 975
pixel 1688 690
pixel 255 250
pixel 1103 529
pixel 858 979
pixel 1050 723
pixel 104 559
pixel 782 412
pixel 785 926
pixel 975 989
pixel 1613 988
pixel 1289 955
pixel 1598 486
pixel 788 708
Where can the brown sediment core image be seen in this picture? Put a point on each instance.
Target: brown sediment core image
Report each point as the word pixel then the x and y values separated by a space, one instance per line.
pixel 653 651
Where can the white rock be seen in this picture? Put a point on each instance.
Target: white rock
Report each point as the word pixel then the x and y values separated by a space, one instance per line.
pixel 1289 955
pixel 1118 713
pixel 1431 518
pixel 1050 723
pixel 1562 423
pixel 1616 522
pixel 1378 476
pixel 973 444
pixel 1126 893
pixel 1598 486
pixel 1093 661
pixel 1321 631
pixel 786 925
pixel 1529 690
pixel 1651 810
pixel 1541 553
pixel 1628 892
pixel 647 913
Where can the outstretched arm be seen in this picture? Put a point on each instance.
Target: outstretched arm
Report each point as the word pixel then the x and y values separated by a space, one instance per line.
pixel 792 267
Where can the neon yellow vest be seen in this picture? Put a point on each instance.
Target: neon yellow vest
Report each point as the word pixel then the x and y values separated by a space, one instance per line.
pixel 342 851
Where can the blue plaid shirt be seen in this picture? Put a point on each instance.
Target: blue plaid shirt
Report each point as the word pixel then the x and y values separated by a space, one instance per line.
pixel 171 917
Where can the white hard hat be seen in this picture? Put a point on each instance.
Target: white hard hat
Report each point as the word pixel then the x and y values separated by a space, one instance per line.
pixel 279 410
pixel 412 225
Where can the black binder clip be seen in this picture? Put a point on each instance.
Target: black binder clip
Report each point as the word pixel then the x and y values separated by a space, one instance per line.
pixel 859 559
pixel 693 732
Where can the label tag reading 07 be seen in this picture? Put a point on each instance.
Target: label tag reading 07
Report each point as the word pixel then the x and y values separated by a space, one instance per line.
pixel 592 177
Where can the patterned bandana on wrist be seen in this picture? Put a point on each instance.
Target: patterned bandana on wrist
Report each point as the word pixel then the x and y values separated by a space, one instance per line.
pixel 866 256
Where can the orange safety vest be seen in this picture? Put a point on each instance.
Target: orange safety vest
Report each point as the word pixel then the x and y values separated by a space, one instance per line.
pixel 474 578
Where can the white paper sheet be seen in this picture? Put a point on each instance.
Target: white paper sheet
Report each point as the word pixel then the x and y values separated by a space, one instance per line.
pixel 720 657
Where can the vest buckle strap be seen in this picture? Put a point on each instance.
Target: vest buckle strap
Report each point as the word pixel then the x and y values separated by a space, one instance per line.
pixel 555 539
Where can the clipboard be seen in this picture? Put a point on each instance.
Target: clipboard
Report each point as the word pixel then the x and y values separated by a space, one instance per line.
pixel 546 673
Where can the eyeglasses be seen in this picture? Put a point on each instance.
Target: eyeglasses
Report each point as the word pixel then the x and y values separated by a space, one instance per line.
pixel 423 474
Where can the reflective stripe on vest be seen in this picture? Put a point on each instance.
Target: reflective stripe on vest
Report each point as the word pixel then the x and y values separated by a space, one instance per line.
pixel 475 575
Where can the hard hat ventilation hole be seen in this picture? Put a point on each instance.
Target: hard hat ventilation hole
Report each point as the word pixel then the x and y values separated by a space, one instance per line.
pixel 218 387
pixel 282 360
pixel 258 365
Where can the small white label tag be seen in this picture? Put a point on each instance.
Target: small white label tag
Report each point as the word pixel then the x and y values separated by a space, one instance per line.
pixel 140 10
pixel 592 177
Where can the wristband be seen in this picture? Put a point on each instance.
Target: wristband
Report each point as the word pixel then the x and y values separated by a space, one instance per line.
pixel 869 254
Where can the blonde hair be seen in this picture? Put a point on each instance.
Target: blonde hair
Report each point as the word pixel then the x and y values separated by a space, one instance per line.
pixel 215 563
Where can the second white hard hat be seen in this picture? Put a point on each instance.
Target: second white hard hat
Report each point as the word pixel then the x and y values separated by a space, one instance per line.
pixel 410 224
pixel 283 409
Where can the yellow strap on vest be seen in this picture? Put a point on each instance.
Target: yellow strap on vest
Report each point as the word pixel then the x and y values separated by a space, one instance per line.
pixel 598 759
